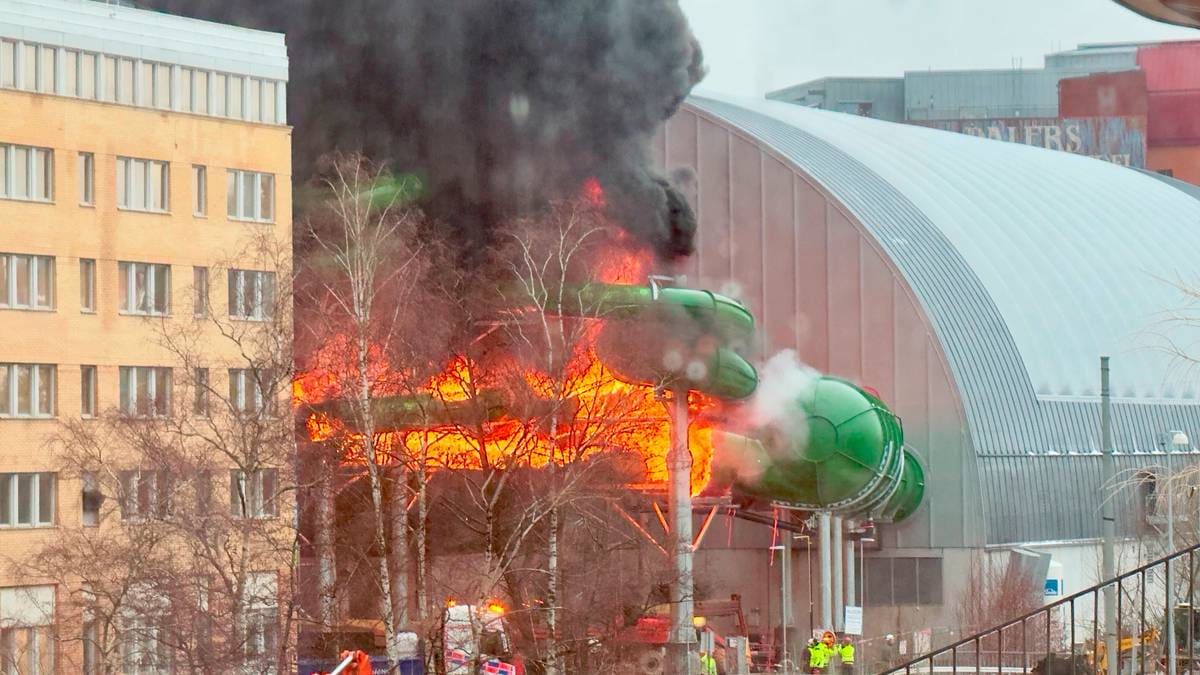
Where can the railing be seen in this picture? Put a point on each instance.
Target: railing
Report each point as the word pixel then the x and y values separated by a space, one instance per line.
pixel 1061 638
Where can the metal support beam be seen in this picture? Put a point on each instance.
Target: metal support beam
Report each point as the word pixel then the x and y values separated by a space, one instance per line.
pixel 826 556
pixel 682 639
pixel 1108 517
pixel 839 597
pixel 851 588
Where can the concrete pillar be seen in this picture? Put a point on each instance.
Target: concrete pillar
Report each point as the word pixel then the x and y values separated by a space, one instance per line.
pixel 681 642
pixel 851 576
pixel 826 556
pixel 839 598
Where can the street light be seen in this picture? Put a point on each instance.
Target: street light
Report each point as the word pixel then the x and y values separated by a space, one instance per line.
pixel 1179 443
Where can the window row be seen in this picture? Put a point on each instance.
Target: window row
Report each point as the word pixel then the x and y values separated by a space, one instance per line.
pixel 27 173
pixel 29 390
pixel 115 79
pixel 28 282
pixel 29 499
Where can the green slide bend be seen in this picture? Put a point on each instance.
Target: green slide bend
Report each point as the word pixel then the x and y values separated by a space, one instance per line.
pixel 846 455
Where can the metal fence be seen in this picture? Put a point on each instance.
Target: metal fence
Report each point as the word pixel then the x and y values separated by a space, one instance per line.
pixel 1154 618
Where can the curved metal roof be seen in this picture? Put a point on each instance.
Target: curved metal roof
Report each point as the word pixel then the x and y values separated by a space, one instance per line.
pixel 1030 264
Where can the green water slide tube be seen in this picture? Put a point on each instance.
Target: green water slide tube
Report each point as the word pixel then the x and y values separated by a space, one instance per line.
pixel 710 328
pixel 845 453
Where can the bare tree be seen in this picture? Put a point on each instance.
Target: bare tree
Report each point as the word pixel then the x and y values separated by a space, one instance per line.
pixel 185 556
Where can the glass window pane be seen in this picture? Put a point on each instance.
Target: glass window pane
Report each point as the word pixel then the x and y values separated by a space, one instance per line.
pixel 218 92
pixel 5 392
pixel 879 581
pixel 22 270
pixel 123 182
pixel 125 82
pixel 268 102
pixel 43 174
pixel 255 102
pixel 185 89
pixel 904 581
pixel 143 390
pixel 46 499
pixel 141 289
pixel 137 184
pixel 4 279
pixel 235 96
pixel 71 72
pixel 145 84
pixel 7 63
pixel 162 86
pixel 29 67
pixel 25 498
pixel 24 389
pixel 162 393
pixel 929 581
pixel 162 288
pixel 201 91
pixel 109 70
pixel 47 69
pixel 231 200
pixel 123 273
pixel 126 392
pixel 87 285
pixel 5 157
pixel 267 197
pixel 248 194
pixel 200 190
pixel 6 485
pixel 45 282
pixel 45 390
pixel 87 391
pixel 156 185
pixel 200 289
pixel 20 172
pixel 164 171
pixel 234 283
pixel 87 75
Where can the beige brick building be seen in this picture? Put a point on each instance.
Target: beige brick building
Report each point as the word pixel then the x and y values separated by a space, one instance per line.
pixel 142 157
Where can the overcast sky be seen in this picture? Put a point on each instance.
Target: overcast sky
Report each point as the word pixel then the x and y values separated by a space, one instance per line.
pixel 755 46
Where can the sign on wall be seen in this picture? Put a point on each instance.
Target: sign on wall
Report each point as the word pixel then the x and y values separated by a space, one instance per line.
pixel 1120 140
pixel 854 620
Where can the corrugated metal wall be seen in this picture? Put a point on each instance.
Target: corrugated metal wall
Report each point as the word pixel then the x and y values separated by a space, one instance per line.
pixel 1120 94
pixel 982 93
pixel 1094 60
pixel 1170 66
pixel 885 96
pixel 820 284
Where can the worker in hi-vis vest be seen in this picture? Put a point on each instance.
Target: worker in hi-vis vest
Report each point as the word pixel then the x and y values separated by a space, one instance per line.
pixel 818 656
pixel 846 653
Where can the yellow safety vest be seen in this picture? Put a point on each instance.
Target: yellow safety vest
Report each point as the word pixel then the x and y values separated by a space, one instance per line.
pixel 815 656
pixel 708 665
pixel 847 653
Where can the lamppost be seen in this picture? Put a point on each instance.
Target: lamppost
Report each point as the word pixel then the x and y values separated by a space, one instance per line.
pixel 1179 443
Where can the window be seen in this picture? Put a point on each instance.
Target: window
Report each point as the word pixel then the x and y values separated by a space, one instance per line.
pixel 145 646
pixel 200 190
pixel 87 391
pixel 260 593
pixel 145 288
pixel 91 499
pixel 125 81
pixel 86 168
pixel 26 499
pixel 200 391
pixel 162 85
pixel 268 101
pixel 27 640
pixel 218 90
pixel 904 581
pixel 200 286
pixel 26 281
pixel 87 285
pixel 87 75
pixel 200 91
pixel 249 390
pixel 143 184
pixel 145 84
pixel 8 63
pixel 145 392
pixel 251 294
pixel 47 70
pixel 71 72
pixel 254 104
pixel 28 70
pixel 108 71
pixel 250 195
pixel 27 389
pixel 253 495
pixel 26 173
pixel 145 495
pixel 235 97
pixel 186 80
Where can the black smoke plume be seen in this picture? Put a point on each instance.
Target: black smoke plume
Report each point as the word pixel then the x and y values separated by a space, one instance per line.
pixel 502 105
